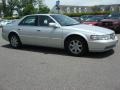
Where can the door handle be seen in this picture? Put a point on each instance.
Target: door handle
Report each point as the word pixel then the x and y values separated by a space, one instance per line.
pixel 38 30
pixel 19 29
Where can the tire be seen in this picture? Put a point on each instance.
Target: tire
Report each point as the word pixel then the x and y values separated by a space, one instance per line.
pixel 117 30
pixel 14 41
pixel 76 46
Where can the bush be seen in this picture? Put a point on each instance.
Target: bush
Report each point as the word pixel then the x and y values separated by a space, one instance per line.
pixel 10 18
pixel 88 13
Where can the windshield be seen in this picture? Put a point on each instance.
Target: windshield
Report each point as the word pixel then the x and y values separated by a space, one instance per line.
pixel 65 20
pixel 114 16
pixel 94 19
pixel 85 17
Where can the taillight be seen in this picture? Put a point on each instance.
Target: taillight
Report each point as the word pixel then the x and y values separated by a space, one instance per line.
pixel 2 29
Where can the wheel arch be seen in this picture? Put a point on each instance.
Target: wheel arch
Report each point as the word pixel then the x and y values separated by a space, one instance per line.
pixel 11 33
pixel 75 35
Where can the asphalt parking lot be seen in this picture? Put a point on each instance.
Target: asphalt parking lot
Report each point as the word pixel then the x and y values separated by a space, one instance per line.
pixel 39 68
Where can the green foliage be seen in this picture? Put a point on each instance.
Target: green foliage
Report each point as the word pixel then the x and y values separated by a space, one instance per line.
pixel 29 9
pixel 44 9
pixel 23 7
pixel 1 7
pixel 11 18
pixel 9 7
pixel 4 8
pixel 92 13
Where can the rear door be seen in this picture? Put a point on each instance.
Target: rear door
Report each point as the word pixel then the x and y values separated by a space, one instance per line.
pixel 29 30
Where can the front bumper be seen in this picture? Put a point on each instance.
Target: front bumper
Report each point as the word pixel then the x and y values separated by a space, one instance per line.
pixel 102 45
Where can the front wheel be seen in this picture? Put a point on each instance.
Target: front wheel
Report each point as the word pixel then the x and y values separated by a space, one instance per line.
pixel 76 46
pixel 14 41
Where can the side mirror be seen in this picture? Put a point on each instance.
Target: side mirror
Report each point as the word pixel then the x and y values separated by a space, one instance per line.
pixel 54 25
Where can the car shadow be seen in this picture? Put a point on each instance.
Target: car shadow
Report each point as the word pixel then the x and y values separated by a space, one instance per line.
pixel 47 50
pixel 117 32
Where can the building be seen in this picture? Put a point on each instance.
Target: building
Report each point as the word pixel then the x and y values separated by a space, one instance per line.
pixel 82 9
pixel 112 8
pixel 71 9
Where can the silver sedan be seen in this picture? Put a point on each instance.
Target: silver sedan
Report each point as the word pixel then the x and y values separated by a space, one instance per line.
pixel 59 31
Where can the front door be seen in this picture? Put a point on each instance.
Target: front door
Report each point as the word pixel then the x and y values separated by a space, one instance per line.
pixel 50 36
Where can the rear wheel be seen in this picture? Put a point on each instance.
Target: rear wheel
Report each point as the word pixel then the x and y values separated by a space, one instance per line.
pixel 76 46
pixel 14 41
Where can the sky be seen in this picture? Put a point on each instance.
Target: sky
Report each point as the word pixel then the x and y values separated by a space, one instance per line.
pixel 51 3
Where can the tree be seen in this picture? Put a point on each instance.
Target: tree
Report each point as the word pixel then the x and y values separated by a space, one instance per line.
pixel 8 7
pixel 4 8
pixel 11 6
pixel 41 7
pixel 23 7
pixel 1 8
pixel 29 9
pixel 44 9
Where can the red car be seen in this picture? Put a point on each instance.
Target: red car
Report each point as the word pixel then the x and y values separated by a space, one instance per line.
pixel 112 23
pixel 94 23
pixel 95 20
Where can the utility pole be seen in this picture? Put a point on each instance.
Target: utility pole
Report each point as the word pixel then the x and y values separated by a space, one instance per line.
pixel 58 6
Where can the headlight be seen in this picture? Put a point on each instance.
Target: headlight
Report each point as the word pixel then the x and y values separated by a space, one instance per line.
pixel 102 37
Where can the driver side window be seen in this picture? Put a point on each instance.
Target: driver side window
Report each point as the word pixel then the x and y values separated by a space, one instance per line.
pixel 45 20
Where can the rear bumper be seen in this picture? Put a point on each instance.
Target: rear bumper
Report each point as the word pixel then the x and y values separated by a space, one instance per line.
pixel 102 45
pixel 5 36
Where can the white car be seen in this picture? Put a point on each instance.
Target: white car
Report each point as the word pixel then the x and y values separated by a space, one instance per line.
pixel 59 31
pixel 5 22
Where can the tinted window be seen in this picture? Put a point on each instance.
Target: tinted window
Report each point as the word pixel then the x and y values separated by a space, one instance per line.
pixel 45 20
pixel 30 21
pixel 94 19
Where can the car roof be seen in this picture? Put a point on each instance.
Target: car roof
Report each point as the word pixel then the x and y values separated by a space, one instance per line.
pixel 44 14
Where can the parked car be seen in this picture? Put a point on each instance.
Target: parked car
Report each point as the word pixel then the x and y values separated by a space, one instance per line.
pixel 93 21
pixel 76 18
pixel 113 15
pixel 113 22
pixel 103 16
pixel 85 17
pixel 59 31
pixel 5 22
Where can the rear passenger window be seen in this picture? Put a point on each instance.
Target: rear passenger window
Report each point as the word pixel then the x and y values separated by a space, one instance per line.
pixel 29 21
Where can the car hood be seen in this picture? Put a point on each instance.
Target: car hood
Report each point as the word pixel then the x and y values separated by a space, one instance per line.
pixel 89 29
